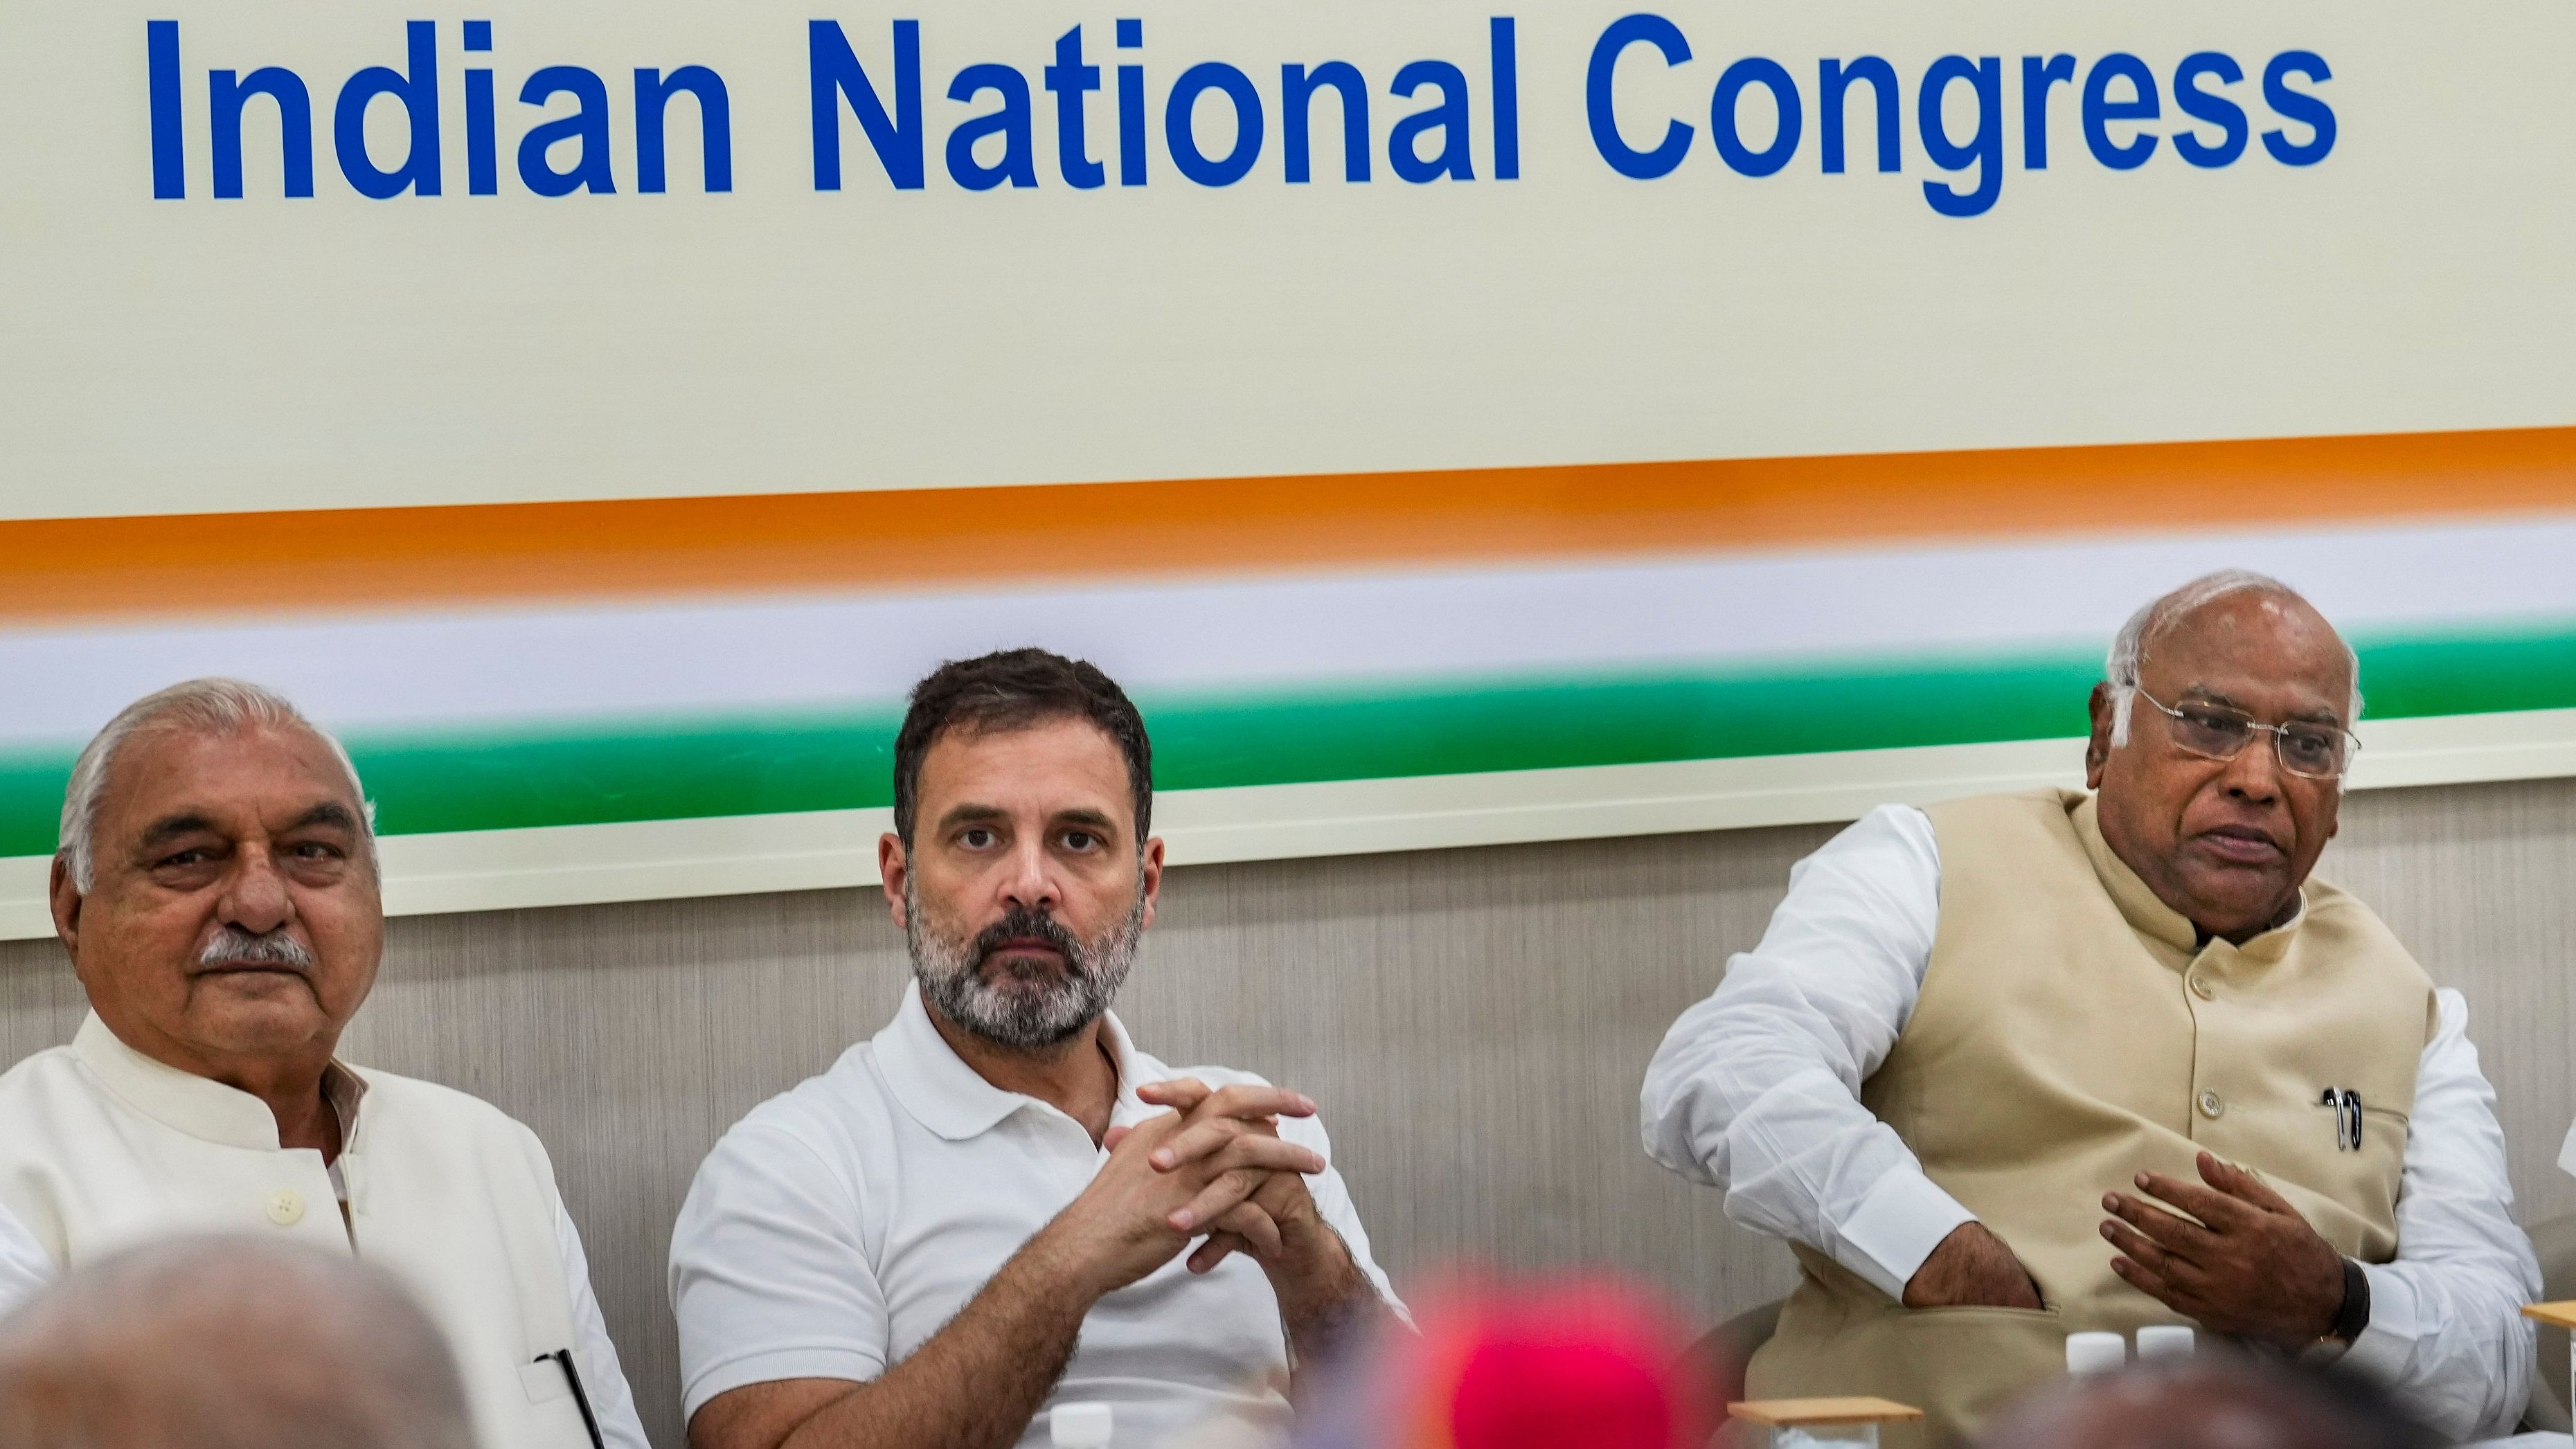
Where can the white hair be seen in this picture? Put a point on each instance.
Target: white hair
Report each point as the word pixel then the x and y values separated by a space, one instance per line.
pixel 210 706
pixel 2160 615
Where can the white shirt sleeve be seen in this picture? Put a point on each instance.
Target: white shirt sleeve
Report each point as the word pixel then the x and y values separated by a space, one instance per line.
pixel 2446 1332
pixel 612 1402
pixel 770 1278
pixel 24 1265
pixel 1756 1090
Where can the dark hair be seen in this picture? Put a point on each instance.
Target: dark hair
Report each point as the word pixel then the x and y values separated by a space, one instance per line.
pixel 1012 689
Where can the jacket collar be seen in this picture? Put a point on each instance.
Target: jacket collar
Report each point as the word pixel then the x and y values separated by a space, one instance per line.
pixel 197 1106
pixel 950 1098
pixel 2147 912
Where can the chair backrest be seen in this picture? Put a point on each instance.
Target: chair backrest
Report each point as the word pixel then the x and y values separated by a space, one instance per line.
pixel 2555 1242
pixel 1718 1358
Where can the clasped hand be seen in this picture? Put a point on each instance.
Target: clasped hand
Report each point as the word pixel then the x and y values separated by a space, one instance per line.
pixel 1213 1167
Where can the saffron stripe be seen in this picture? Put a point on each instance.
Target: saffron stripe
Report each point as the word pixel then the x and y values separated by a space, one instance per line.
pixel 320 560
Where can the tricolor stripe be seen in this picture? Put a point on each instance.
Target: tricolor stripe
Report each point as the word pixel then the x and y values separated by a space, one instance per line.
pixel 562 702
pixel 543 717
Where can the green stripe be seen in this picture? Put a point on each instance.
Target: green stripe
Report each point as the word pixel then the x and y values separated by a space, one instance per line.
pixel 601 772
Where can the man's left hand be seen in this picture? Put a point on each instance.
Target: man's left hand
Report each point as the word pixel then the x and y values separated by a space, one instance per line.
pixel 2250 1266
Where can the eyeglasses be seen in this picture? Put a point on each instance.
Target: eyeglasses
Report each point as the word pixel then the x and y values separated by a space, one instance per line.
pixel 2311 751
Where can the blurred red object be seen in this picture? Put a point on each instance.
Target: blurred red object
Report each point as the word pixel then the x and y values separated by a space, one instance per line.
pixel 1589 1364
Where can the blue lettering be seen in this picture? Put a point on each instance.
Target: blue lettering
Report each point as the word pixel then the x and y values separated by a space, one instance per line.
pixel 1833 81
pixel 1131 107
pixel 2298 106
pixel 1774 77
pixel 1296 100
pixel 169 160
pixel 835 72
pixel 2208 106
pixel 1018 165
pixel 1181 139
pixel 417 93
pixel 2037 76
pixel 1600 101
pixel 1984 150
pixel 1449 118
pixel 653 93
pixel 224 100
pixel 1072 81
pixel 2100 110
pixel 482 145
pixel 587 125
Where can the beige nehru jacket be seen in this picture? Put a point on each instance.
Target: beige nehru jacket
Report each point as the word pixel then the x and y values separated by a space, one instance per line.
pixel 2072 1032
pixel 102 1148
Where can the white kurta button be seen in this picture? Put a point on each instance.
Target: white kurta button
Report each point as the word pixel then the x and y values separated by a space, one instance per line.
pixel 2211 1104
pixel 2201 988
pixel 286 1207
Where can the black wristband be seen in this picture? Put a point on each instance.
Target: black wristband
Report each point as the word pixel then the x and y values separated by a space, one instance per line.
pixel 2355 1317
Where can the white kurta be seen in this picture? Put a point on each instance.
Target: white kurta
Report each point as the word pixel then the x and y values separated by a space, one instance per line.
pixel 102 1148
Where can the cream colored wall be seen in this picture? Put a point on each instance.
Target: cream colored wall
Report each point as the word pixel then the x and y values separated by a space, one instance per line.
pixel 1474 1023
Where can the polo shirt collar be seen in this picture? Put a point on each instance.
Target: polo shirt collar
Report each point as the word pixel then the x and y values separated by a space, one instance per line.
pixel 199 1106
pixel 2147 912
pixel 949 1097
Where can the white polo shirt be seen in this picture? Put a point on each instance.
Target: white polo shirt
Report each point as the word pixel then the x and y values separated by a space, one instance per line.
pixel 24 1268
pixel 841 1224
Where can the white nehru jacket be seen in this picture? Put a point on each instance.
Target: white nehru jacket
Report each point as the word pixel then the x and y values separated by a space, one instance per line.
pixel 843 1223
pixel 103 1148
pixel 1756 1090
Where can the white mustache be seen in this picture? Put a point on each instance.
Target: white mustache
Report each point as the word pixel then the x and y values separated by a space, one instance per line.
pixel 233 946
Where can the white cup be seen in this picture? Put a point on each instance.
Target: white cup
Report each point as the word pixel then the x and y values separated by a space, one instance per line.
pixel 1079 1426
pixel 2093 1353
pixel 2164 1340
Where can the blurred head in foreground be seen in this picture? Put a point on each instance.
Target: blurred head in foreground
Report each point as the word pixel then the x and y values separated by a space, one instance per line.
pixel 1585 1365
pixel 2209 1402
pixel 227 1343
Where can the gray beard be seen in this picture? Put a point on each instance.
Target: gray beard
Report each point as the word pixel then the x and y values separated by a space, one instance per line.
pixel 1022 1013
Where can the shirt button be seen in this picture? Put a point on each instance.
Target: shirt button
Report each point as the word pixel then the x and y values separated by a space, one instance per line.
pixel 2201 988
pixel 2211 1104
pixel 286 1207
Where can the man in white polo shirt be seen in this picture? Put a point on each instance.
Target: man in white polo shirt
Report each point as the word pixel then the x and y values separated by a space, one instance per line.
pixel 988 1211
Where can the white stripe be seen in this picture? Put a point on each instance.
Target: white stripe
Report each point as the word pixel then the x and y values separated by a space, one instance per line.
pixel 558 662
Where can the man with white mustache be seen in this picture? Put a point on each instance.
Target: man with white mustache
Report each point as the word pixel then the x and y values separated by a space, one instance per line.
pixel 902 1252
pixel 217 890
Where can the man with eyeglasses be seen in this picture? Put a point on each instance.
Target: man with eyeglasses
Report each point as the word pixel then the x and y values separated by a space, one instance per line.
pixel 2019 1066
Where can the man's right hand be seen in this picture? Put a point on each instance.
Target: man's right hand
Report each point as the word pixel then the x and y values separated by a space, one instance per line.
pixel 1971 1269
pixel 1134 1218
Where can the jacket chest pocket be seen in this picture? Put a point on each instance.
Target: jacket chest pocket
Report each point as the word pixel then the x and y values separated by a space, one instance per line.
pixel 554 1416
pixel 2364 1163
pixel 545 1380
